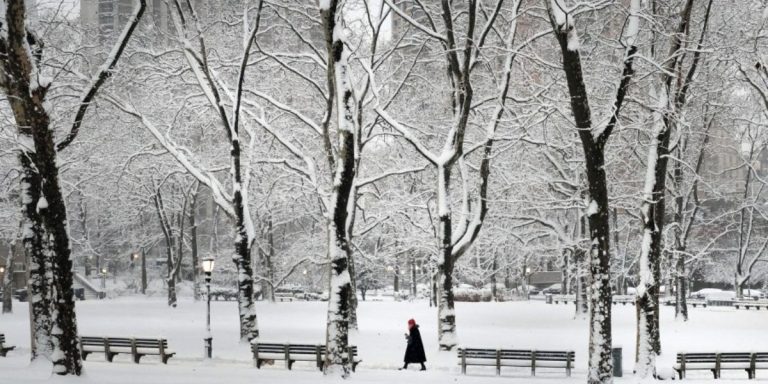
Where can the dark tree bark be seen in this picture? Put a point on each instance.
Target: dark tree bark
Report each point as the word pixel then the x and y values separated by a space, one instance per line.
pixel 193 240
pixel 593 143
pixel 337 361
pixel 653 208
pixel 83 218
pixel 7 281
pixel 267 263
pixel 47 238
pixel 170 277
pixel 143 271
pixel 414 287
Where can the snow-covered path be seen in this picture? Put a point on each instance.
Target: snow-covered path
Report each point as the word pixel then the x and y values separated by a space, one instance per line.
pixel 380 340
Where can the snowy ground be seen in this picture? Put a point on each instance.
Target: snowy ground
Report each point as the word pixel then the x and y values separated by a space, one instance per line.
pixel 380 340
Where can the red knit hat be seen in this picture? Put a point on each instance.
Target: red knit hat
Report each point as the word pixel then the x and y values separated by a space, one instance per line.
pixel 411 323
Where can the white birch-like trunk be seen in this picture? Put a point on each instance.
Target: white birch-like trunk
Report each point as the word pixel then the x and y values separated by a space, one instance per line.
pixel 337 332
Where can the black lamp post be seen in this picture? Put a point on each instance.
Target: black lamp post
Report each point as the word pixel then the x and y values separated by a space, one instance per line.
pixel 207 265
pixel 103 282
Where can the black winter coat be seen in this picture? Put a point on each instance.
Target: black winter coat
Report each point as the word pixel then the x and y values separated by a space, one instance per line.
pixel 414 353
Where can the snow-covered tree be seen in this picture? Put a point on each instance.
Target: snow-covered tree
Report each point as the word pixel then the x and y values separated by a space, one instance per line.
pixel 27 85
pixel 594 138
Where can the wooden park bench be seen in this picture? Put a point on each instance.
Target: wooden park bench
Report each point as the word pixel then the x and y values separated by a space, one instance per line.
pixel 137 347
pixel 223 294
pixel 515 358
pixel 4 348
pixel 623 299
pixel 697 302
pixel 291 353
pixel 692 302
pixel 284 296
pixel 564 298
pixel 716 362
pixel 747 304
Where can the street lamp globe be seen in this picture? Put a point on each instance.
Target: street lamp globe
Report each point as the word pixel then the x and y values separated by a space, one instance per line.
pixel 2 269
pixel 207 264
pixel 103 271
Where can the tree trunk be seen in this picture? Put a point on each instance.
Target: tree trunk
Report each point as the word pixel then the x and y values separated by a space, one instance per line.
pixel 39 266
pixel 242 258
pixel 600 363
pixel 7 281
pixel 193 242
pixel 494 265
pixel 681 295
pixel 414 287
pixel 46 237
pixel 351 214
pixel 565 284
pixel 593 143
pixel 143 271
pixel 170 279
pixel 396 281
pixel 446 314
pixel 582 297
pixel 652 212
pixel 269 263
pixel 84 227
pixel 339 250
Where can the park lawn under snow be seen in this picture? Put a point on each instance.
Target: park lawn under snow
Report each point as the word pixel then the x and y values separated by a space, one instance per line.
pixel 380 339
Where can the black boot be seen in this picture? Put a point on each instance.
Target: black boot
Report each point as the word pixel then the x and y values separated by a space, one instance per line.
pixel 423 368
pixel 404 367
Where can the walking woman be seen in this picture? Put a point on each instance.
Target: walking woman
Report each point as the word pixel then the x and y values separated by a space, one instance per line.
pixel 414 353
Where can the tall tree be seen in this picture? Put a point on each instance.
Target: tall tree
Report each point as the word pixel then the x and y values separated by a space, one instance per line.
pixel 671 99
pixel 593 140
pixel 461 63
pixel 337 334
pixel 46 237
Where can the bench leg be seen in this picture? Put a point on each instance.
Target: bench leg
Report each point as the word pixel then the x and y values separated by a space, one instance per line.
pixel 289 364
pixel 136 358
pixel 84 354
pixel 165 359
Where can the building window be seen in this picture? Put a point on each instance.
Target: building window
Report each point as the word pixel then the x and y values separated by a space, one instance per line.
pixel 106 8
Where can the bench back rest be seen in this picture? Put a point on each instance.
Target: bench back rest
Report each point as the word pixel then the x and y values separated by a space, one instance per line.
pixel 696 357
pixel 735 357
pixel 268 348
pixel 121 342
pixel 151 343
pixel 2 339
pixel 302 349
pixel 124 342
pixel 515 354
pixel 293 349
pixel 761 357
pixel 728 357
pixel 91 340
